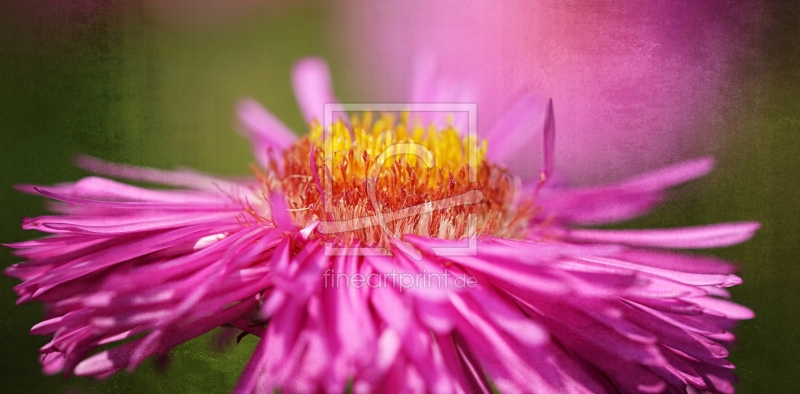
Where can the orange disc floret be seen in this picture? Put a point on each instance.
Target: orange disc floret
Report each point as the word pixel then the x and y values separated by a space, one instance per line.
pixel 373 179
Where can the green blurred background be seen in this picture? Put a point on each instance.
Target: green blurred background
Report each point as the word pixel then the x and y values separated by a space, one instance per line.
pixel 120 82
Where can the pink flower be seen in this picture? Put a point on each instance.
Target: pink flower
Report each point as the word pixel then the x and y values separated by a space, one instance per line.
pixel 535 302
pixel 639 84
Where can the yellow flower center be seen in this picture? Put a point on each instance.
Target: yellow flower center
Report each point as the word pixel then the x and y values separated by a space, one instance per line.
pixel 375 179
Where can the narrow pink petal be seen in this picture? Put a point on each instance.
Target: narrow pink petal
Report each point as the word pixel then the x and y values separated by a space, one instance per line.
pixel 549 135
pixel 180 178
pixel 678 261
pixel 499 312
pixel 573 326
pixel 118 358
pixel 597 206
pixel 681 368
pixel 96 187
pixel 109 257
pixel 621 200
pixel 127 228
pixel 729 309
pixel 512 139
pixel 263 130
pixel 438 317
pixel 280 212
pixel 135 204
pixel 500 357
pixel 47 326
pixel 472 369
pixel 700 237
pixel 248 380
pixel 503 263
pixel 42 223
pixel 313 88
pixel 389 344
pixel 669 305
pixel 672 175
pixel 723 280
pixel 429 87
pixel 670 335
pixel 348 312
pixel 52 363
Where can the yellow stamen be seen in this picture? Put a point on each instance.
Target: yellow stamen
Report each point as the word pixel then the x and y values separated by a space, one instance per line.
pixel 384 174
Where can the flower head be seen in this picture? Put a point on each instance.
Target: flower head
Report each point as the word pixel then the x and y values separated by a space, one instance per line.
pixel 345 254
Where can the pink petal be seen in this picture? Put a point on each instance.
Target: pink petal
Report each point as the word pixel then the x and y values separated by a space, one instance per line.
pixel 118 357
pixel 700 237
pixel 622 200
pixel 313 88
pixel 263 130
pixel 512 139
pixel 178 178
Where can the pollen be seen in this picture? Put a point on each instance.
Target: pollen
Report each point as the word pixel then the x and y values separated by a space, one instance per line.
pixel 381 176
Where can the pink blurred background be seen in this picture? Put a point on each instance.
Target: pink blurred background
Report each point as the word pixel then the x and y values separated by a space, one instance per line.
pixel 635 85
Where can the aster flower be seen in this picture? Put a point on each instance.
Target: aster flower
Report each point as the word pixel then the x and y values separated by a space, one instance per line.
pixel 349 264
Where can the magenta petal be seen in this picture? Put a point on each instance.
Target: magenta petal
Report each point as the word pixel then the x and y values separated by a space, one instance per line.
pixel 549 134
pixel 722 280
pixel 248 380
pixel 179 178
pixel 128 204
pixel 700 237
pixel 105 189
pixel 726 308
pixel 514 136
pixel 162 222
pixel 313 88
pixel 52 363
pixel 428 87
pixel 280 213
pixel 263 129
pixel 119 357
pixel 678 261
pixel 672 175
pixel 621 200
